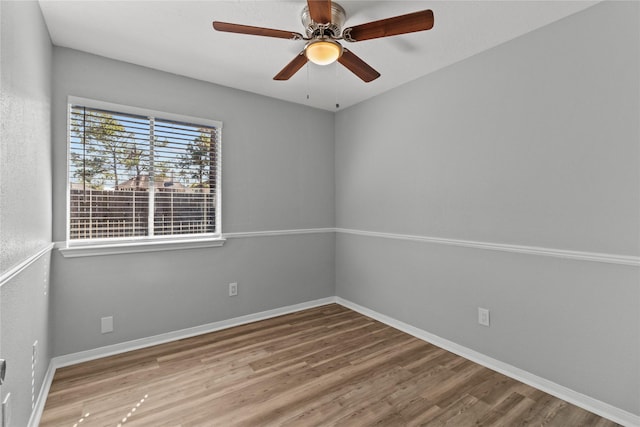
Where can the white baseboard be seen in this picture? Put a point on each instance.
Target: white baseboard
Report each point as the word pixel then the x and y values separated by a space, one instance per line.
pixel 590 404
pixel 110 350
pixel 36 414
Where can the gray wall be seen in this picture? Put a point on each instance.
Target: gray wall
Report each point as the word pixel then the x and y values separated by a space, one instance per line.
pixel 25 176
pixel 277 174
pixel 532 143
pixel 157 292
pixel 25 198
pixel 24 312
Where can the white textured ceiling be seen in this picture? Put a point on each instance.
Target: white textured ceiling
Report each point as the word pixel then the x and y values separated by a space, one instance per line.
pixel 177 36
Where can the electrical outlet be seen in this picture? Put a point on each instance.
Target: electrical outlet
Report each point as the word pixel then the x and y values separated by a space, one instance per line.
pixel 233 289
pixel 106 324
pixel 483 316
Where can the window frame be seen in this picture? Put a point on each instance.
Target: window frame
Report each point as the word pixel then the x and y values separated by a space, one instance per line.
pixel 118 245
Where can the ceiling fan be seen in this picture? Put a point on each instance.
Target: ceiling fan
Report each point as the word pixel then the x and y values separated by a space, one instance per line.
pixel 323 21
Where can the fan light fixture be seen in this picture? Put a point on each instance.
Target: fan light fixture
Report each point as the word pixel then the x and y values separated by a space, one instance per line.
pixel 323 51
pixel 323 21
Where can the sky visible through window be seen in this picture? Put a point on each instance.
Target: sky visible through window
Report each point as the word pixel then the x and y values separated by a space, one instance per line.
pixel 109 148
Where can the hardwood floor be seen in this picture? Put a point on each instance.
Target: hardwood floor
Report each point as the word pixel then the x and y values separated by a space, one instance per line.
pixel 323 366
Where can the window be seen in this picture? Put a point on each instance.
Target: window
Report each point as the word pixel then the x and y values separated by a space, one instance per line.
pixel 135 177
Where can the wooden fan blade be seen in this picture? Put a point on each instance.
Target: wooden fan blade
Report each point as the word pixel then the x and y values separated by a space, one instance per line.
pixel 292 67
pixel 357 66
pixel 320 11
pixel 403 24
pixel 255 31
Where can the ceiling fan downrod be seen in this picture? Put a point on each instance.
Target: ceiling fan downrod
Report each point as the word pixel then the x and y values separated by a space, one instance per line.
pixel 331 29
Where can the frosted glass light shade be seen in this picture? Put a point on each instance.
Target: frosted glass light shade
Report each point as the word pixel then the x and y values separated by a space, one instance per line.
pixel 323 52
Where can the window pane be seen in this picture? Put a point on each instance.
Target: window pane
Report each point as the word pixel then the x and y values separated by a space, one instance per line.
pixel 106 150
pixel 117 161
pixel 100 214
pixel 185 159
pixel 183 213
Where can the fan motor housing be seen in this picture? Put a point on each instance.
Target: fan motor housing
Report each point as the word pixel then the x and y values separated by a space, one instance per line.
pixel 331 29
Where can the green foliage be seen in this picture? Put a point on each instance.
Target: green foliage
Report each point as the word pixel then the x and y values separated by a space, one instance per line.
pixel 89 169
pixel 108 147
pixel 198 161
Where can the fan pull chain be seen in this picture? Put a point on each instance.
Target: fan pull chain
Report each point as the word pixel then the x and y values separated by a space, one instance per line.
pixel 335 67
pixel 307 67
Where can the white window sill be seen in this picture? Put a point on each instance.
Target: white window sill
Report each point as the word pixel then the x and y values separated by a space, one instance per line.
pixel 116 248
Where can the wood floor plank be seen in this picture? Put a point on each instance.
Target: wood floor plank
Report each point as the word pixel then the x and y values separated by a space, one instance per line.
pixel 498 411
pixel 326 366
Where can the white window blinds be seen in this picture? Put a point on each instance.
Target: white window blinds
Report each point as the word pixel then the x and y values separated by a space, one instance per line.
pixel 134 176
